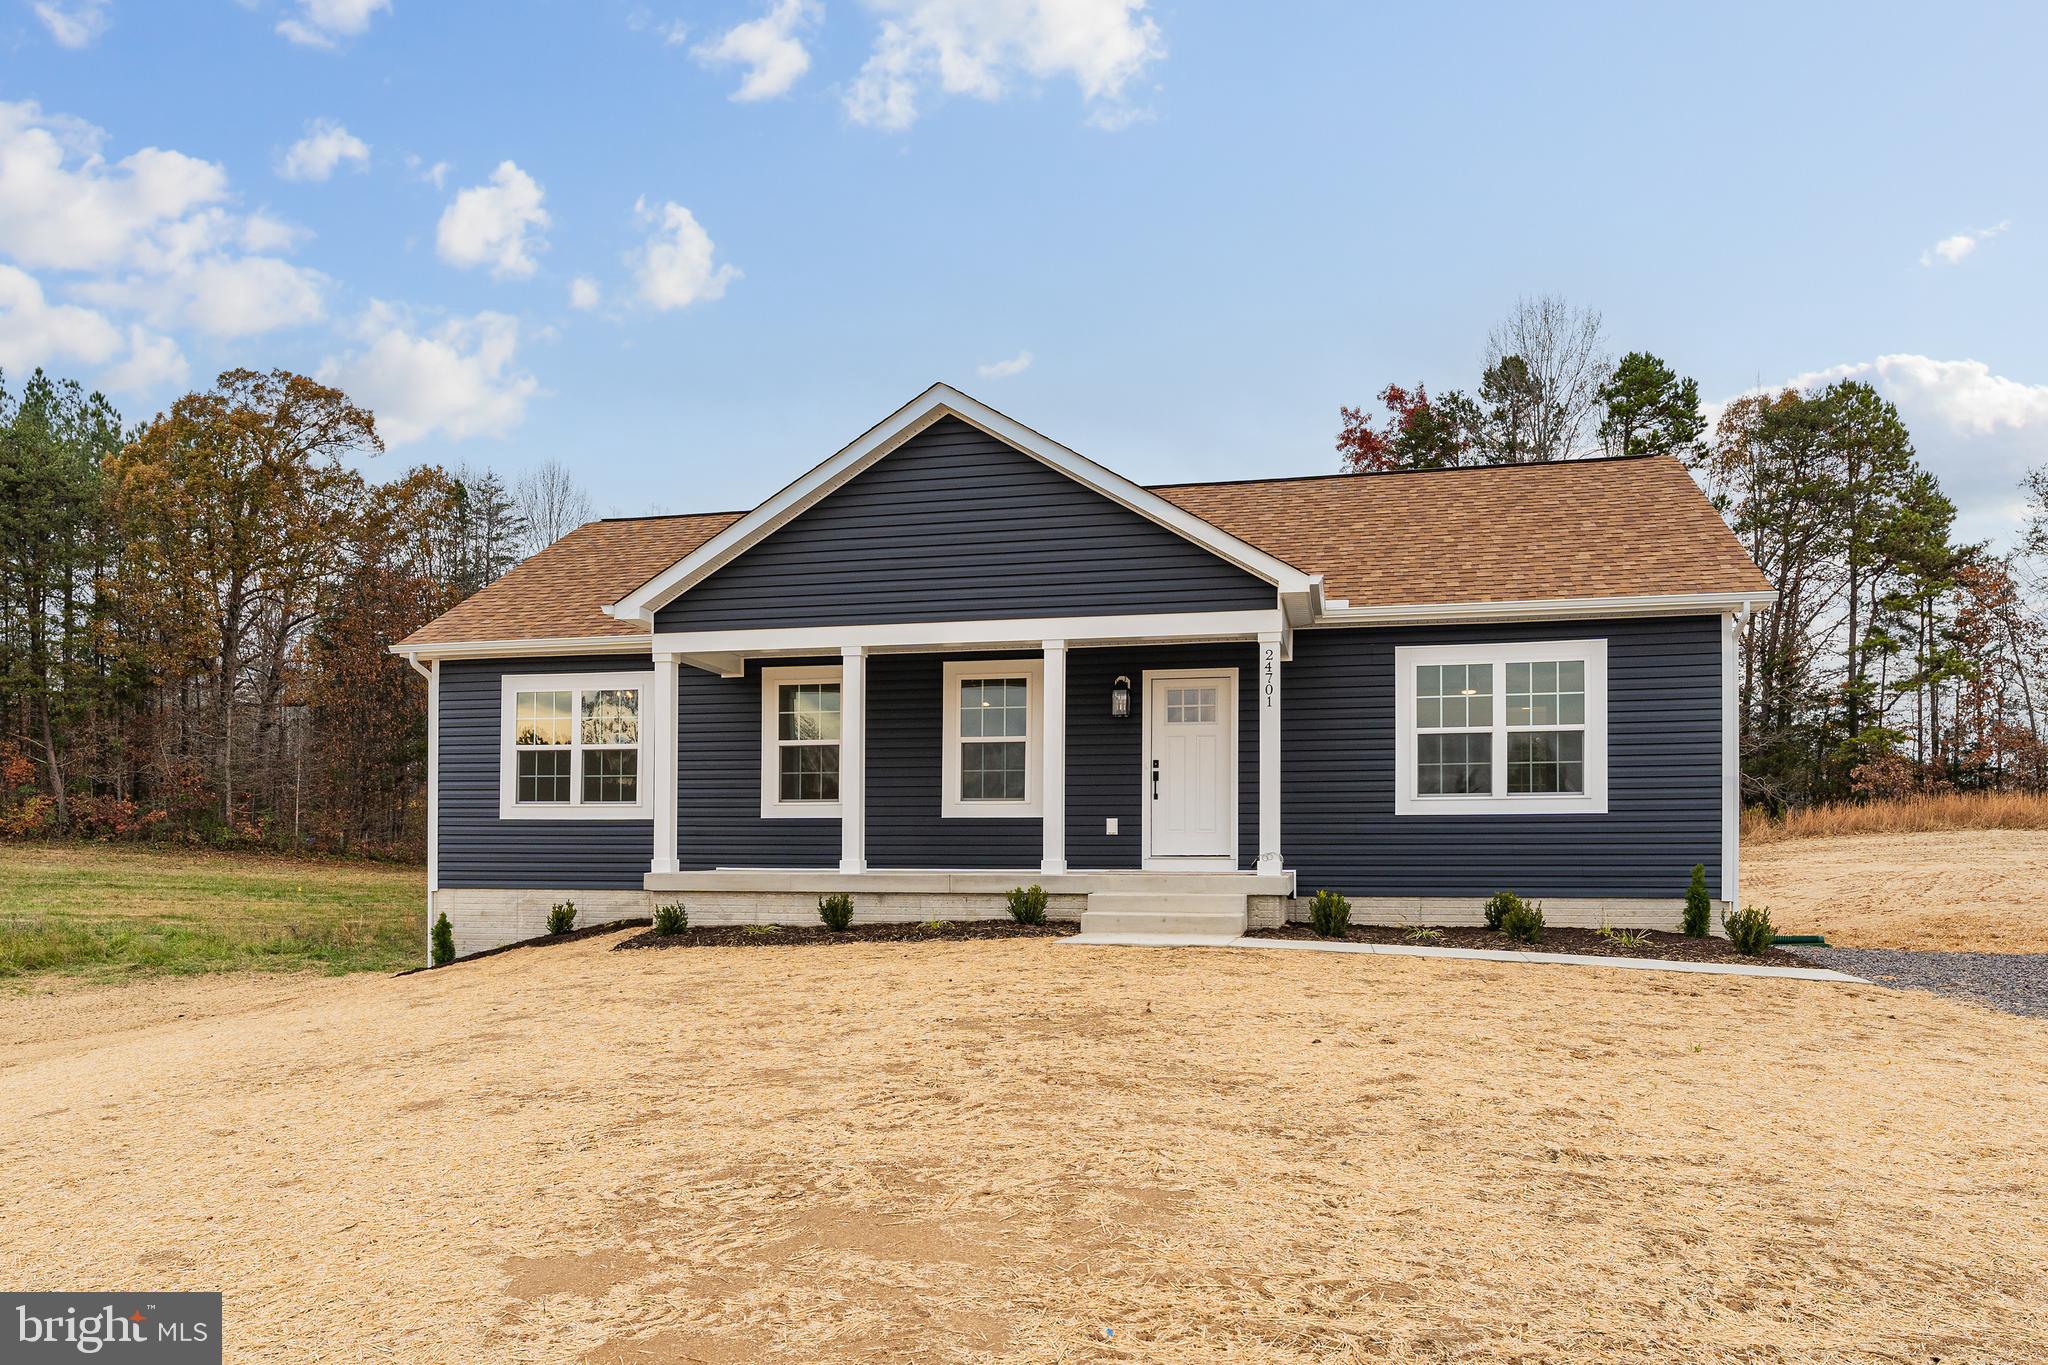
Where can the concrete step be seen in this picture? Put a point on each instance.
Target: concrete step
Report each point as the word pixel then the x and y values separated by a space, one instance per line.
pixel 1205 915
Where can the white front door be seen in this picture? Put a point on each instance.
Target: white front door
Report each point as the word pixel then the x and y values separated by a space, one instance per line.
pixel 1190 768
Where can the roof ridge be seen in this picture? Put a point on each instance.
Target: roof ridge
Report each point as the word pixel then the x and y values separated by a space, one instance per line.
pixel 1387 473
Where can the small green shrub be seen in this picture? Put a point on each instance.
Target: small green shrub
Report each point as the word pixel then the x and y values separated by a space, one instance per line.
pixel 1423 934
pixel 671 918
pixel 1699 911
pixel 760 930
pixel 936 926
pixel 1329 914
pixel 836 910
pixel 562 918
pixel 1498 906
pixel 1750 929
pixel 1027 903
pixel 1523 923
pixel 444 941
pixel 1623 938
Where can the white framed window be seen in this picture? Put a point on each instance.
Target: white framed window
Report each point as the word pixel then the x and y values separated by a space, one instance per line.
pixel 574 746
pixel 1495 729
pixel 993 717
pixel 800 730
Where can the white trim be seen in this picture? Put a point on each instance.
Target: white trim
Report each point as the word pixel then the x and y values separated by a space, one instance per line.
pixel 433 672
pixel 524 649
pixel 1148 860
pixel 1340 613
pixel 773 807
pixel 1593 801
pixel 853 759
pixel 510 807
pixel 1026 632
pixel 1053 761
pixel 1731 761
pixel 1267 696
pixel 941 400
pixel 956 671
pixel 661 717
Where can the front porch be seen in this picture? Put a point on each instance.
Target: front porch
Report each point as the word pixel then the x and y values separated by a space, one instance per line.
pixel 1150 768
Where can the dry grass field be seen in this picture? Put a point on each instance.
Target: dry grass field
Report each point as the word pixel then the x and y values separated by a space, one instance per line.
pixel 1945 890
pixel 1011 1150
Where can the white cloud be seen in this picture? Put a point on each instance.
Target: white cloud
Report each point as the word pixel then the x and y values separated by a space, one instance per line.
pixel 324 23
pixel 150 234
pixel 674 266
pixel 1977 430
pixel 73 24
pixel 435 175
pixel 325 146
pixel 672 32
pixel 489 225
pixel 1953 250
pixel 768 47
pixel 978 47
pixel 34 331
pixel 583 292
pixel 456 380
pixel 1003 369
pixel 152 362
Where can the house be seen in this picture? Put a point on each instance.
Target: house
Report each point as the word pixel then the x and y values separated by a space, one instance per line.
pixel 957 657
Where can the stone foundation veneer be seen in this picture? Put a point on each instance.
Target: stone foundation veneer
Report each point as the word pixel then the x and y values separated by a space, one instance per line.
pixel 490 919
pixel 1403 911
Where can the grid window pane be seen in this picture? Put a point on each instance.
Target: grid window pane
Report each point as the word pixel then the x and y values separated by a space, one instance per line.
pixel 542 717
pixel 992 772
pixel 611 776
pixel 1190 705
pixel 809 772
pixel 808 711
pixel 994 708
pixel 1542 762
pixel 1547 693
pixel 1454 764
pixel 611 716
pixel 544 774
pixel 1453 696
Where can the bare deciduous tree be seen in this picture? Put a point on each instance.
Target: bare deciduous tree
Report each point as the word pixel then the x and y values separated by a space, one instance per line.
pixel 551 504
pixel 1564 351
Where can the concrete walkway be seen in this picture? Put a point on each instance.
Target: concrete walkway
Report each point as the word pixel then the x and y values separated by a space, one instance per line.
pixel 1640 964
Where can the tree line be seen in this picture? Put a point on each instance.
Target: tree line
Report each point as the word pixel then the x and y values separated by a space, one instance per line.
pixel 195 612
pixel 1897 658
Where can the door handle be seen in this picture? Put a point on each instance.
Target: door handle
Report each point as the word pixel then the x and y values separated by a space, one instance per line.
pixel 1155 779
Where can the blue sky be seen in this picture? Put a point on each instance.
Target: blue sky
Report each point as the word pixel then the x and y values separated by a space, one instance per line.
pixel 1205 225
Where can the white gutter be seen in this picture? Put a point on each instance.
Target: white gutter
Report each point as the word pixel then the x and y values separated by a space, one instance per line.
pixel 494 649
pixel 1339 613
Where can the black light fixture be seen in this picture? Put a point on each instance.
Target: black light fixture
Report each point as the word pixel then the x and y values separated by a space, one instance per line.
pixel 1120 699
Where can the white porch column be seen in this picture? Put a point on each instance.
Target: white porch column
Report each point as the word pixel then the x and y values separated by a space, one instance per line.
pixel 662 733
pixel 853 759
pixel 1052 751
pixel 1269 752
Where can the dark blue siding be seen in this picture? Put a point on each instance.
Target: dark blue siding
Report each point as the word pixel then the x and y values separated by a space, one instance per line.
pixel 1105 757
pixel 1663 764
pixel 476 847
pixel 718 807
pixel 958 525
pixel 906 738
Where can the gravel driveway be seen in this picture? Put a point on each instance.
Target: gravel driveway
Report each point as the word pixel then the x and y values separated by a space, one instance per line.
pixel 2014 982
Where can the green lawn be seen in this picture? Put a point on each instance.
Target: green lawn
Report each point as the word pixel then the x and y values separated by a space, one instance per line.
pixel 112 910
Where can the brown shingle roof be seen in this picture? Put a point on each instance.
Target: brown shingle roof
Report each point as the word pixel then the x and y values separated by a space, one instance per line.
pixel 1586 528
pixel 1581 528
pixel 561 593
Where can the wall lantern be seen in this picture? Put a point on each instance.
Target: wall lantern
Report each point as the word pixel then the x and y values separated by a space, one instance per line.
pixel 1120 699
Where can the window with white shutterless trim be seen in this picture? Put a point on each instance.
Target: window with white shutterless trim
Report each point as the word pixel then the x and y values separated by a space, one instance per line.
pixel 994 721
pixel 800 735
pixel 574 746
pixel 1497 729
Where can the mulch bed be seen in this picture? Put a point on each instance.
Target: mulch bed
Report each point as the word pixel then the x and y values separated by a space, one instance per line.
pixel 587 931
pixel 1588 942
pixel 751 936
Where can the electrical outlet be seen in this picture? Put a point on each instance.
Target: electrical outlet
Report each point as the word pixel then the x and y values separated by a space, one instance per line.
pixel 1109 825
